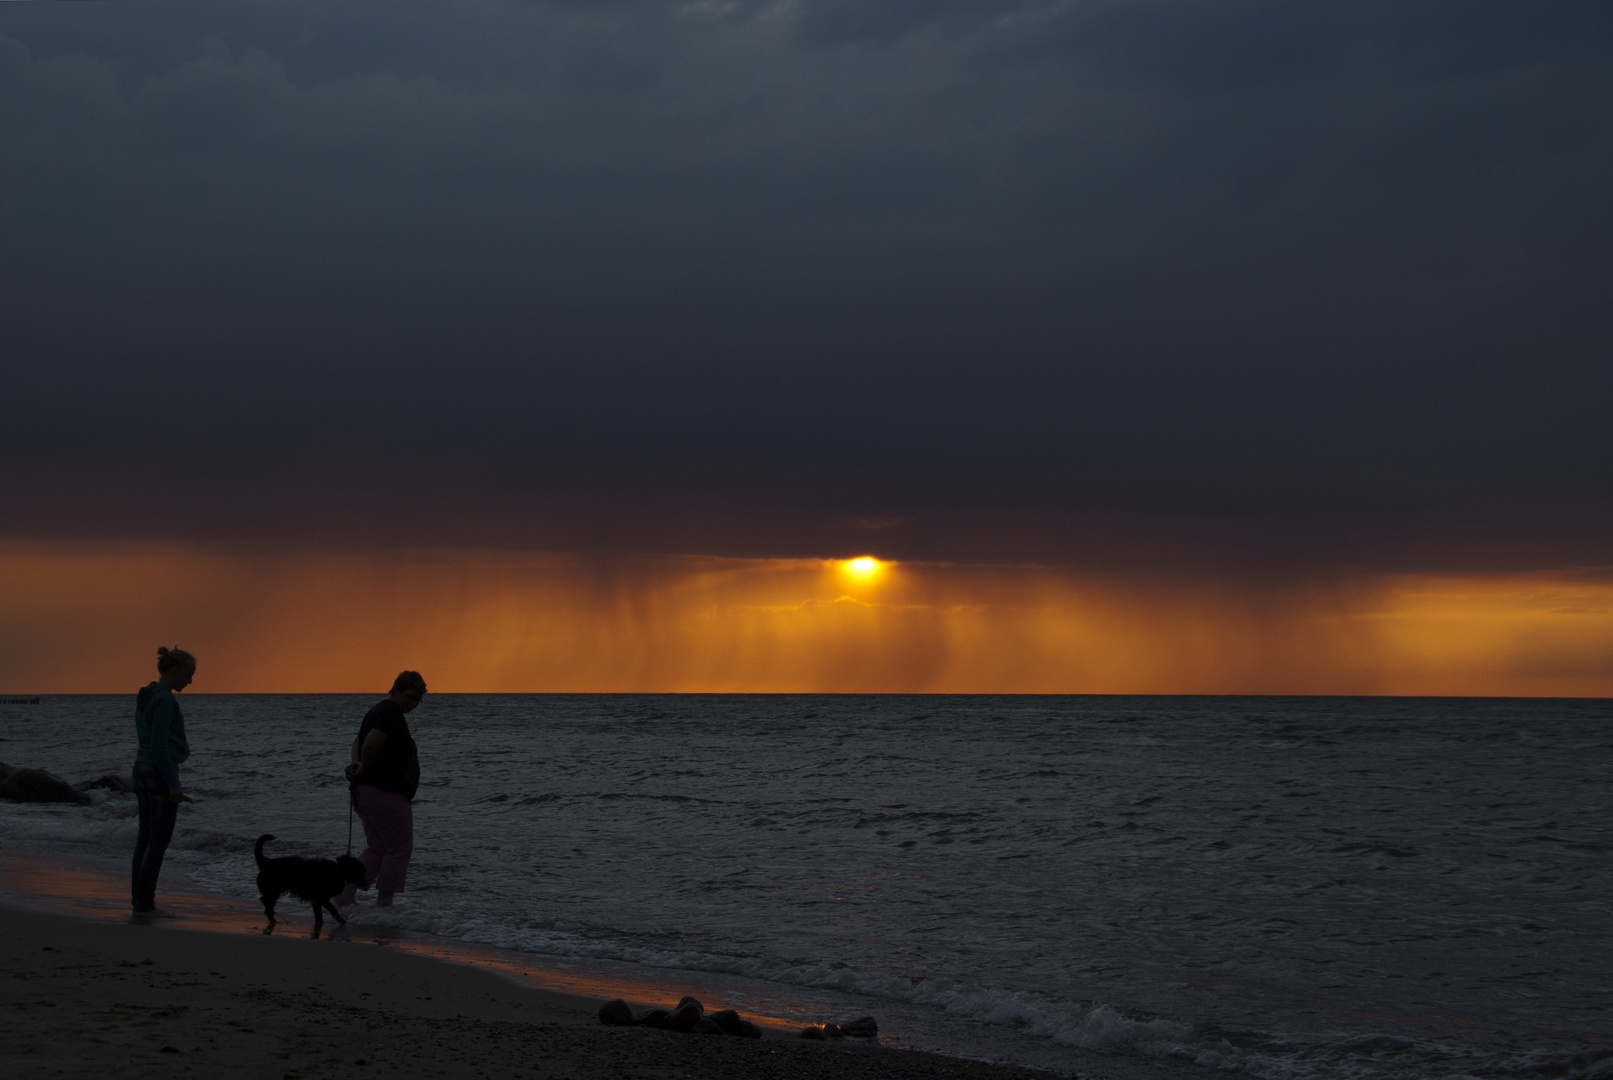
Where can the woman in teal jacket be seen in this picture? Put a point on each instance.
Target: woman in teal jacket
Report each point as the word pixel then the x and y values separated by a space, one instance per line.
pixel 160 728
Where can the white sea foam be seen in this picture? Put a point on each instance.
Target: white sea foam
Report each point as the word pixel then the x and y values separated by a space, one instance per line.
pixel 1087 1026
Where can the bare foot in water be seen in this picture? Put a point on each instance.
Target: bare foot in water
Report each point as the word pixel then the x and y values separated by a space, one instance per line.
pixel 383 899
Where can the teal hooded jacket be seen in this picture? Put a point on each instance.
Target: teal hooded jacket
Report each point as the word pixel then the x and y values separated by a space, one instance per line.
pixel 161 729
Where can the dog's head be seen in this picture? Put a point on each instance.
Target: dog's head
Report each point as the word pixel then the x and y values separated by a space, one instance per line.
pixel 352 870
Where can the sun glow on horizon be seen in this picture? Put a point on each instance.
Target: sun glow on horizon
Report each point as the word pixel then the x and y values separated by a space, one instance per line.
pixel 88 618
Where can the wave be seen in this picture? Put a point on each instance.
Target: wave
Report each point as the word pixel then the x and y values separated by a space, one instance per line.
pixel 222 862
pixel 1088 1026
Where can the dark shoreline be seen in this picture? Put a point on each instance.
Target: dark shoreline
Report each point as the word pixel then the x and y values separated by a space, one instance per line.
pixel 503 1020
pixel 122 999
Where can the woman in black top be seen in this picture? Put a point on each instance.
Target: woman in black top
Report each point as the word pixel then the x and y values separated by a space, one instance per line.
pixel 385 771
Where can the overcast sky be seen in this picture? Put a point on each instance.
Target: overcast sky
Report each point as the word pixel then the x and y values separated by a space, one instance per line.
pixel 967 279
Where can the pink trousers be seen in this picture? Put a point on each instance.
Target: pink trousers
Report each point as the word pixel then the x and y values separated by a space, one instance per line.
pixel 389 836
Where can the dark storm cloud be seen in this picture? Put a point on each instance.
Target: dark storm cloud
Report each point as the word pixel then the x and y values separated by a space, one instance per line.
pixel 1333 269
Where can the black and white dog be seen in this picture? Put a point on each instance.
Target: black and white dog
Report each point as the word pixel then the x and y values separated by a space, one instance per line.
pixel 313 880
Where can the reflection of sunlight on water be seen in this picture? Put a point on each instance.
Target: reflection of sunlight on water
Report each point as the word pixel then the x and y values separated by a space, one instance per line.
pixel 84 890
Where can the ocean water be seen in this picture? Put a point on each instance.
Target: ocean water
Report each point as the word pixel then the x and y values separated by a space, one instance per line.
pixel 1286 887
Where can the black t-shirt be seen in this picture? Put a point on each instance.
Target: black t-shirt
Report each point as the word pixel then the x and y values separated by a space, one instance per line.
pixel 396 767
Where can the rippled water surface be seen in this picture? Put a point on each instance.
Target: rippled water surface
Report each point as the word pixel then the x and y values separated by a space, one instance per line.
pixel 1291 886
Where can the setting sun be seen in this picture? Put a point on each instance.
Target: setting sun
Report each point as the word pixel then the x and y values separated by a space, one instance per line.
pixel 865 567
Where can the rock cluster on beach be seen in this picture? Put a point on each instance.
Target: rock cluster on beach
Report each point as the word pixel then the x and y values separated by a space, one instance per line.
pixel 38 786
pixel 863 1027
pixel 689 1015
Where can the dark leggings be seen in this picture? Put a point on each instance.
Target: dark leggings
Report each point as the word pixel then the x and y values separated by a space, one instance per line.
pixel 157 814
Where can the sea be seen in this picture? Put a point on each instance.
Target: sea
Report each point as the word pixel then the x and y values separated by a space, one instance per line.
pixel 1283 887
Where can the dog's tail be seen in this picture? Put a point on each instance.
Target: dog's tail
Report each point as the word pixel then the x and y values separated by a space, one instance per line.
pixel 257 852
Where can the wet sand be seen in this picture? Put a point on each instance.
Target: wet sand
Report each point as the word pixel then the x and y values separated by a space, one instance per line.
pixel 97 998
pixel 93 992
pixel 128 1000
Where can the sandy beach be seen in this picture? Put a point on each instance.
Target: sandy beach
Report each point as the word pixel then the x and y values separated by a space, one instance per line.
pixel 119 999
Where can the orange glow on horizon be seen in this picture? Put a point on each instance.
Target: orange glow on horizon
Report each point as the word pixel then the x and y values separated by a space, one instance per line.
pixel 88 618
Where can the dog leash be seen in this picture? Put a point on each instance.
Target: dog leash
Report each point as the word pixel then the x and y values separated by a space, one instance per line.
pixel 350 817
